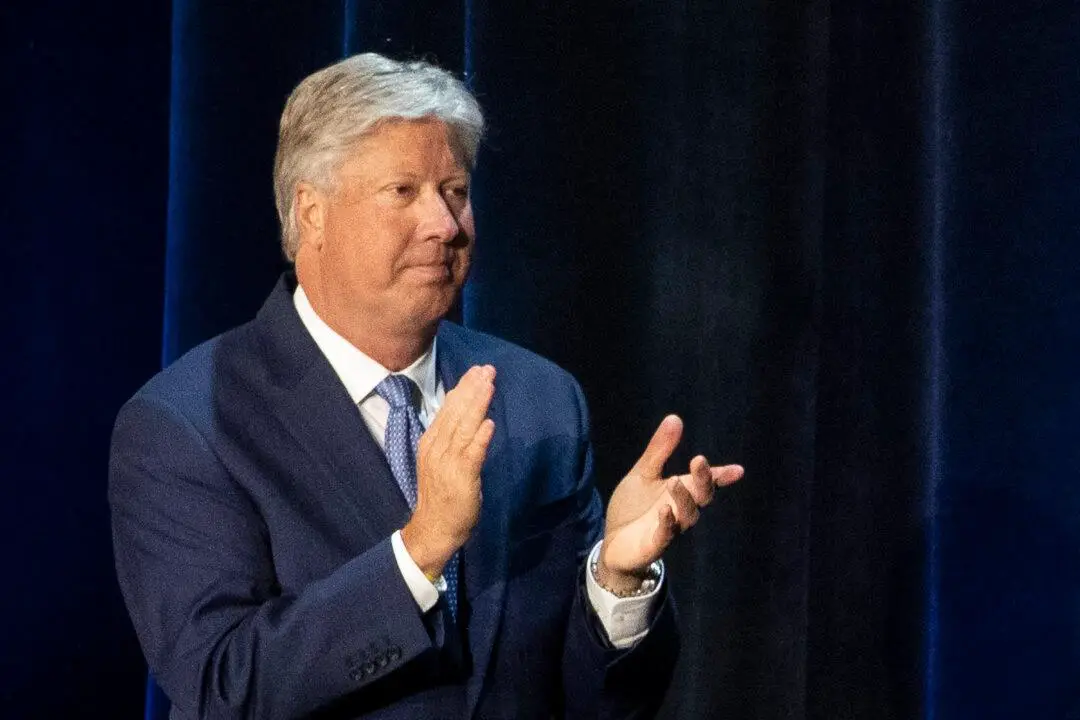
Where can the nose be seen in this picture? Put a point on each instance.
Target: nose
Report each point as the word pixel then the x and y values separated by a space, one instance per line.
pixel 438 221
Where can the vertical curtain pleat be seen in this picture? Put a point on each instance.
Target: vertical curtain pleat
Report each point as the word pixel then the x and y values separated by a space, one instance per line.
pixel 841 240
pixel 233 64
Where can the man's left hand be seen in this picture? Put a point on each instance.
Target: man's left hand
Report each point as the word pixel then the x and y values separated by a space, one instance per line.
pixel 647 511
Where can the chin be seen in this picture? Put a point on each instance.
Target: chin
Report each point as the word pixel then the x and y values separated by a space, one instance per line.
pixel 435 308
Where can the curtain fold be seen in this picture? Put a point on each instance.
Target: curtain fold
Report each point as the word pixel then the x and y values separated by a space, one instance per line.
pixel 740 214
pixel 841 240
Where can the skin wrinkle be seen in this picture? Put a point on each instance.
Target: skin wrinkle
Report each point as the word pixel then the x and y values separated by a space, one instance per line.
pixel 383 257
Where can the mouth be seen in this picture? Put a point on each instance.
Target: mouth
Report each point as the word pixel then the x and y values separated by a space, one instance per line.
pixel 430 272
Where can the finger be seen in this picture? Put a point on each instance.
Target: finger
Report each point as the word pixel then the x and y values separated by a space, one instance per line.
pixel 726 474
pixel 446 420
pixel 666 530
pixel 451 404
pixel 433 439
pixel 476 451
pixel 473 409
pixel 660 447
pixel 699 482
pixel 686 510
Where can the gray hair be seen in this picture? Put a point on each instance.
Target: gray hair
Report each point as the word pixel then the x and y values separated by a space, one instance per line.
pixel 334 108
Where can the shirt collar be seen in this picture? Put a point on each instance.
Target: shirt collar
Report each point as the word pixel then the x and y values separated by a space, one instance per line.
pixel 358 372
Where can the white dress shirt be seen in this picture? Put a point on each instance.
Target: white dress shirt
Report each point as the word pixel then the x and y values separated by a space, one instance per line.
pixel 625 620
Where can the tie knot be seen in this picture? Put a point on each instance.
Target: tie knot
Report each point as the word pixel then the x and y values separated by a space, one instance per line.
pixel 397 390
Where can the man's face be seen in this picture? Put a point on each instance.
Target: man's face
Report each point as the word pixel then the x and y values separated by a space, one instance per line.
pixel 396 233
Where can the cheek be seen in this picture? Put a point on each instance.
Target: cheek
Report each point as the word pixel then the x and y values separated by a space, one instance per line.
pixel 463 255
pixel 468 229
pixel 362 248
pixel 465 222
pixel 460 270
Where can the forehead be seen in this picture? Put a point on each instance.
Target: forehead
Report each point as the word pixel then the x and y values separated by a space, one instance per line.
pixel 416 146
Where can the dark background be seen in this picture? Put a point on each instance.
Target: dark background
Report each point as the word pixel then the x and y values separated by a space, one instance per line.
pixel 841 239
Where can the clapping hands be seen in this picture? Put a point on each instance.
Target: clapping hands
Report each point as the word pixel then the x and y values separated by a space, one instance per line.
pixel 647 511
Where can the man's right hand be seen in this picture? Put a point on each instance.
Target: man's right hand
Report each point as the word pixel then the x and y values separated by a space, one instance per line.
pixel 449 458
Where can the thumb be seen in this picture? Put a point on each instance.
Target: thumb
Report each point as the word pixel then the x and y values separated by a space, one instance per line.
pixel 663 443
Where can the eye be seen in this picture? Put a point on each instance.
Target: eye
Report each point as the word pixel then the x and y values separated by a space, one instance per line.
pixel 401 192
pixel 458 191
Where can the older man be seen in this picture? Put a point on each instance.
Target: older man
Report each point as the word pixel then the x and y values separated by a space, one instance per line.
pixel 349 507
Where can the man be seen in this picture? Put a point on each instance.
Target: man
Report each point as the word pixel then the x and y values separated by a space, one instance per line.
pixel 350 508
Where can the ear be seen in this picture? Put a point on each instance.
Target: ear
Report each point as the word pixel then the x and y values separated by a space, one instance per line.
pixel 310 208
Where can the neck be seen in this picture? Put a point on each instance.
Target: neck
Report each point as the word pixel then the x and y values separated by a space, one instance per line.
pixel 392 348
pixel 393 353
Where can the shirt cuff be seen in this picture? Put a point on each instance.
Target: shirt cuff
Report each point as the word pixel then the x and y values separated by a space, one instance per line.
pixel 425 592
pixel 625 620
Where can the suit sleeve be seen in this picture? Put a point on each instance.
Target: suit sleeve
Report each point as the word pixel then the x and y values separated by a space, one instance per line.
pixel 196 570
pixel 600 681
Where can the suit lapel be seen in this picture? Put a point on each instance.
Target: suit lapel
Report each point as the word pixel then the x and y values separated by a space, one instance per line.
pixel 316 411
pixel 485 554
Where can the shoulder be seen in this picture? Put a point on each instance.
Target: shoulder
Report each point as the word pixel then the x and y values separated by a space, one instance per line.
pixel 270 350
pixel 513 362
pixel 535 387
pixel 189 386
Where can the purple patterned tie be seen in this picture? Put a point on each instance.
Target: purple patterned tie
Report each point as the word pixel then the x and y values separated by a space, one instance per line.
pixel 403 430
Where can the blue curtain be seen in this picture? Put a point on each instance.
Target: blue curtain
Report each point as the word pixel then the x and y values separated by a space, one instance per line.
pixel 841 239
pixel 84 101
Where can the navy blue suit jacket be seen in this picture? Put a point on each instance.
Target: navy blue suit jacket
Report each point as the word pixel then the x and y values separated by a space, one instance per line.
pixel 252 513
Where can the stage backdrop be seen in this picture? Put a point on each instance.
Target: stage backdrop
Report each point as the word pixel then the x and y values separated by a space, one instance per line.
pixel 841 240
